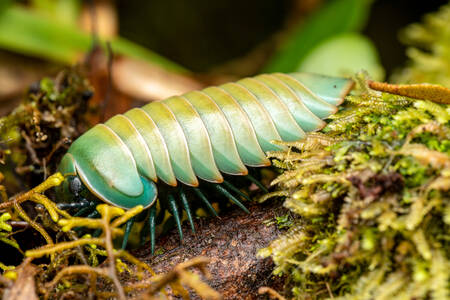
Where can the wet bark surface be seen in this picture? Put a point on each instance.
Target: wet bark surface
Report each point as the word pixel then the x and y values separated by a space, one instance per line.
pixel 231 242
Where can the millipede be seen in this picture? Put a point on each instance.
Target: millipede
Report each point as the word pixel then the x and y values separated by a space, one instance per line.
pixel 199 139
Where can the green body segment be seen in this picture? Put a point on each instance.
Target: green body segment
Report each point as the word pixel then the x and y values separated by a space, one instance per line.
pixel 197 139
pixel 175 140
pixel 224 147
pixel 200 134
pixel 155 142
pixel 128 133
pixel 110 175
pixel 279 113
pixel 315 104
pixel 302 115
pixel 331 89
pixel 259 117
pixel 245 137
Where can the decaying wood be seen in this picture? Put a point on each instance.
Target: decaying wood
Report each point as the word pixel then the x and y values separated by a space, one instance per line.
pixel 231 243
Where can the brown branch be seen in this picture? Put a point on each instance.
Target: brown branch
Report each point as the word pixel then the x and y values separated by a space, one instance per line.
pixel 423 91
pixel 271 292
pixel 106 218
pixel 30 149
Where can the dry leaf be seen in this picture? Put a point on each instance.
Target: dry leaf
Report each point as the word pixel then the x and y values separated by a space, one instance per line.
pixel 148 82
pixel 24 287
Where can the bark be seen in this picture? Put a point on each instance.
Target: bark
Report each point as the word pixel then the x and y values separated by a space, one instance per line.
pixel 231 242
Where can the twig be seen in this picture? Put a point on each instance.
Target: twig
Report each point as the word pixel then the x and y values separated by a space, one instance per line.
pixel 33 224
pixel 271 292
pixel 111 257
pixel 52 181
pixel 330 293
pixel 424 91
pixel 30 149
pixel 163 280
pixel 71 270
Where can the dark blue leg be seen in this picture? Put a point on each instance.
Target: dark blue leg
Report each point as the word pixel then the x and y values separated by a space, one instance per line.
pixel 78 205
pixel 257 183
pixel 86 210
pixel 128 226
pixel 82 212
pixel 94 214
pixel 185 203
pixel 97 232
pixel 174 210
pixel 227 194
pixel 205 201
pixel 236 190
pixel 152 227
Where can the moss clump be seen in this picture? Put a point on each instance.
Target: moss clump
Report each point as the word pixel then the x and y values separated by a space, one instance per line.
pixel 39 131
pixel 64 264
pixel 372 203
pixel 85 266
pixel 429 50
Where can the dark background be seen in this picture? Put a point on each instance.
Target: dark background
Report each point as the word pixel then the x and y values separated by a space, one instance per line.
pixel 201 34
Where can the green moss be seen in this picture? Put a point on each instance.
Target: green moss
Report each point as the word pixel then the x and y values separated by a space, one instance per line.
pixel 373 215
pixel 428 51
pixel 34 136
pixel 371 203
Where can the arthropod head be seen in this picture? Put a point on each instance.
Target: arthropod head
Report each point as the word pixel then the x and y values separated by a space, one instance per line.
pixel 83 181
pixel 72 188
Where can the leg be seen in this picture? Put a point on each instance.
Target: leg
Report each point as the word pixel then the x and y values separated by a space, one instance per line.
pixel 82 203
pixel 257 183
pixel 227 194
pixel 174 210
pixel 152 227
pixel 185 203
pixel 236 190
pixel 128 226
pixel 205 201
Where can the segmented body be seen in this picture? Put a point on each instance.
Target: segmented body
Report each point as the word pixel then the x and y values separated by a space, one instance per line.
pixel 200 135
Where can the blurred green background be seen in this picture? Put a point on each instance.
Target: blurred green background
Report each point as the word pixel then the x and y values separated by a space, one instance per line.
pixel 203 41
pixel 200 34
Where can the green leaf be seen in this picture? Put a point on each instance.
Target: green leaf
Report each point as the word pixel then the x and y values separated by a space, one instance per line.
pixel 336 17
pixel 29 33
pixel 344 55
pixel 33 34
pixel 126 47
pixel 64 11
pixel 4 4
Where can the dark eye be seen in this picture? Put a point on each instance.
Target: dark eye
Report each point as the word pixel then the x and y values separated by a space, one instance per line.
pixel 75 186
